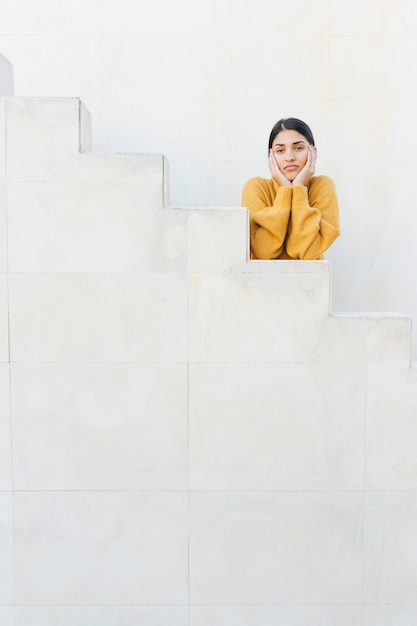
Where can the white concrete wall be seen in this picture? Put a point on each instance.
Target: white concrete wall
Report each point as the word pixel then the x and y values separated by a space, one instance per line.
pixel 187 438
pixel 204 81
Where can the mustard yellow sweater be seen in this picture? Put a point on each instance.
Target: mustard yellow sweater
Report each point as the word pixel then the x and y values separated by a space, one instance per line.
pixel 291 222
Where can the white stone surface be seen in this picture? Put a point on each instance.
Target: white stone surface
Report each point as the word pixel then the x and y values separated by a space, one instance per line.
pixel 6 77
pixel 366 233
pixel 234 317
pixel 6 550
pixel 342 339
pixel 267 426
pixel 217 239
pixel 7 616
pixel 190 117
pixel 85 227
pixel 390 548
pixel 373 337
pixel 2 140
pixel 90 548
pixel 189 428
pixel 5 432
pixel 207 98
pixel 391 425
pixel 288 267
pixel 64 17
pixel 117 19
pixel 345 54
pixel 250 79
pixel 41 134
pixel 99 426
pixel 130 52
pixel 111 318
pixel 3 229
pixel 274 615
pixel 390 615
pixel 250 22
pixel 344 18
pixel 85 130
pixel 389 339
pixel 3 208
pixel 72 61
pixel 395 250
pixel 101 616
pixel 4 319
pixel 44 139
pixel 276 549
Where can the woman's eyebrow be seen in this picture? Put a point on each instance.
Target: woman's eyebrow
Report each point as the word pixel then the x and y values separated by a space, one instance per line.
pixel 293 144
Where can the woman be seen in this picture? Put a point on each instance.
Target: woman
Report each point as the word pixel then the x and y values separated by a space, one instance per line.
pixel 293 215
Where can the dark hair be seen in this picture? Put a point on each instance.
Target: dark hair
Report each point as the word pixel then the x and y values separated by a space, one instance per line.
pixel 291 123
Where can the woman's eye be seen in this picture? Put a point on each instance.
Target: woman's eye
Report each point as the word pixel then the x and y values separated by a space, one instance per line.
pixel 299 148
pixel 279 151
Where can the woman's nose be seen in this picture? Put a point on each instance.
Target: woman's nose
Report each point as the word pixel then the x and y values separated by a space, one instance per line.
pixel 289 156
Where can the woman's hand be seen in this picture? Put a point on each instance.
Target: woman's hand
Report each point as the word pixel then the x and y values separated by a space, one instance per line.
pixel 276 173
pixel 308 171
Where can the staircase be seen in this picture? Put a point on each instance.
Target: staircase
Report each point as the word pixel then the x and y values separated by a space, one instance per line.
pixel 187 437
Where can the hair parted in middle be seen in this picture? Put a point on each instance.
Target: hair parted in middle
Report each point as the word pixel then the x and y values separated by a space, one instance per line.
pixel 291 123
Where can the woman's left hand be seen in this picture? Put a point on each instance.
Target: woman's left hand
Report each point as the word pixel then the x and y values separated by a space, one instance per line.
pixel 308 171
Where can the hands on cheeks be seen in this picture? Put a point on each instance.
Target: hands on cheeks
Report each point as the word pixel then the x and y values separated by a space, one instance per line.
pixel 304 175
pixel 278 176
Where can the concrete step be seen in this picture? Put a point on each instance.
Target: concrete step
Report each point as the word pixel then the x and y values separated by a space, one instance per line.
pixel 6 77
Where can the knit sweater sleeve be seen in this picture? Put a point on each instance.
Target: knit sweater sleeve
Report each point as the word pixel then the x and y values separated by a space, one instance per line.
pixel 269 217
pixel 314 223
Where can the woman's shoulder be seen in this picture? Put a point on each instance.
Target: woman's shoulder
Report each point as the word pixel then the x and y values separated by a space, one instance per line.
pixel 322 180
pixel 259 183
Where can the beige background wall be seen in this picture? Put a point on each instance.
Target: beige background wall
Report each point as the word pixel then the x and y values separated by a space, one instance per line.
pixel 203 82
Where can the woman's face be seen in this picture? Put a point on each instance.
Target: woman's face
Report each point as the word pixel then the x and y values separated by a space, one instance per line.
pixel 290 149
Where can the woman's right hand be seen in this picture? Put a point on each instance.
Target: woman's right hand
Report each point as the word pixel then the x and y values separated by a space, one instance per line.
pixel 276 173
